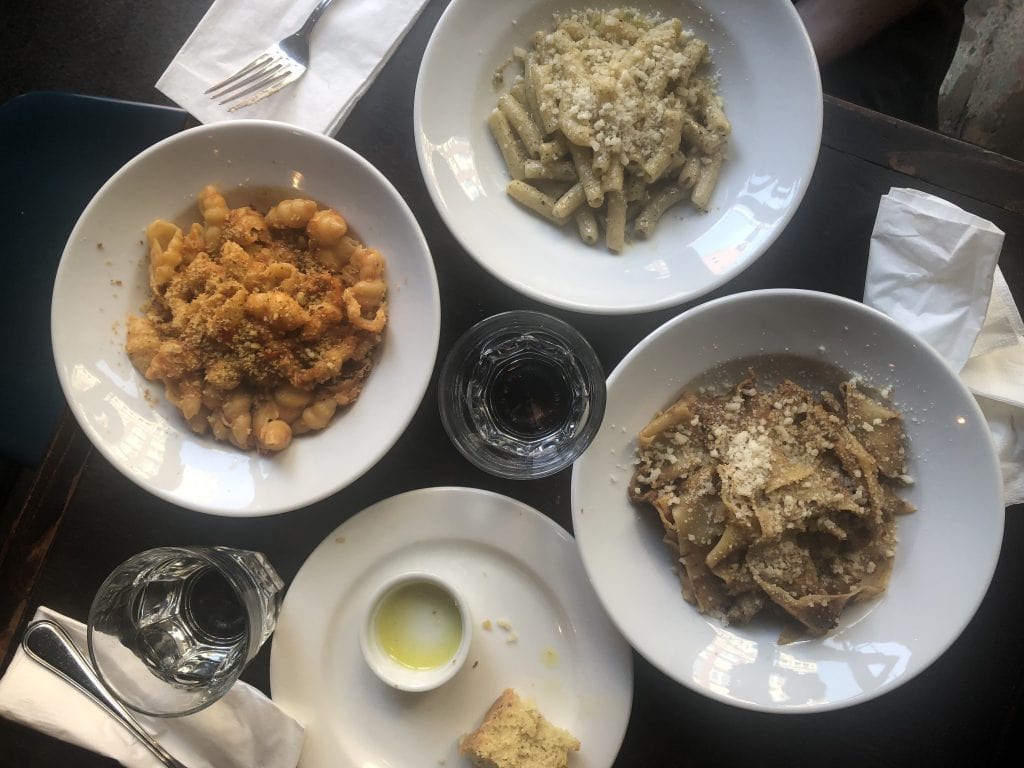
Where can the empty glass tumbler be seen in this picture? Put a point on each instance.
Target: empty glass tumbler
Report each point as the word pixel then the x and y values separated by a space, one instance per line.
pixel 172 628
pixel 522 394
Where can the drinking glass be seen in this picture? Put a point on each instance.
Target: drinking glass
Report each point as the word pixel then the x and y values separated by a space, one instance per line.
pixel 172 628
pixel 522 394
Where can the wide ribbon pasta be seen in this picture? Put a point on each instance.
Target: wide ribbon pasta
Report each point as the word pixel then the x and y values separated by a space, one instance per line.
pixel 774 498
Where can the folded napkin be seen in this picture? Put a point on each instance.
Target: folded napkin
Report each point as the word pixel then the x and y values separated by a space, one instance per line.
pixel 350 44
pixel 932 268
pixel 244 728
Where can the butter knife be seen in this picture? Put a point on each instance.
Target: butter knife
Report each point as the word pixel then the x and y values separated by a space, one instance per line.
pixel 48 643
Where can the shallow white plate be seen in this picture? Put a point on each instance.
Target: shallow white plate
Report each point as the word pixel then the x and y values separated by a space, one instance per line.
pixel 769 80
pixel 511 564
pixel 102 279
pixel 947 552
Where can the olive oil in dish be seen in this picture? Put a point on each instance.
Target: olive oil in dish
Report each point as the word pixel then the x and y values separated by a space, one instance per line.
pixel 418 625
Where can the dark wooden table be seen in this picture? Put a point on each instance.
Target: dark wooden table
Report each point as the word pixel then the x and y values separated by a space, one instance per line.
pixel 81 517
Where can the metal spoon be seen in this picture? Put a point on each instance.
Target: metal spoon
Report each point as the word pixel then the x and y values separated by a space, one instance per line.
pixel 48 643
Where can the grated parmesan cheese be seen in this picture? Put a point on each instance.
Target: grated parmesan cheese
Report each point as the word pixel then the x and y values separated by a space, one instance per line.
pixel 750 458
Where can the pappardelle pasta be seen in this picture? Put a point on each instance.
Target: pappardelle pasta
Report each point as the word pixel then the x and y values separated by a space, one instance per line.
pixel 775 499
pixel 260 326
pixel 611 121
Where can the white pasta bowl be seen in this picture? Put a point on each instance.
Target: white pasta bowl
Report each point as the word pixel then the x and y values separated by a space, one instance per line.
pixel 103 277
pixel 947 549
pixel 768 77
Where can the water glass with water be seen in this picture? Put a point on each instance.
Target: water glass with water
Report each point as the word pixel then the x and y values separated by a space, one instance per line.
pixel 172 628
pixel 522 394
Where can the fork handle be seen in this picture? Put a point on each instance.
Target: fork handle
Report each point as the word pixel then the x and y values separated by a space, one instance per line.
pixel 314 17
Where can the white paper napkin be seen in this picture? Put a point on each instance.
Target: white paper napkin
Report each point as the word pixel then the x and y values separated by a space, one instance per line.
pixel 243 729
pixel 350 44
pixel 932 268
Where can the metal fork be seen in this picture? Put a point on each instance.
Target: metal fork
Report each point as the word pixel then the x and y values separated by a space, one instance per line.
pixel 281 64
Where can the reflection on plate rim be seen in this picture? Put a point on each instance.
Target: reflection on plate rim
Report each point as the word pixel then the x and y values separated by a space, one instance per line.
pixel 923 659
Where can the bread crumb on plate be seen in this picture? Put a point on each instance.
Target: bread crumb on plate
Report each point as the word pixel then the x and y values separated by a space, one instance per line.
pixel 514 734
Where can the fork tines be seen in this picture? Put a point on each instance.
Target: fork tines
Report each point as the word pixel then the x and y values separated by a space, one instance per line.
pixel 268 72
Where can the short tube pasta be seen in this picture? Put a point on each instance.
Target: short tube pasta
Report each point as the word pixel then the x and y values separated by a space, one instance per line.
pixel 522 122
pixel 557 170
pixel 534 199
pixel 586 225
pixel 569 202
pixel 656 206
pixel 710 167
pixel 515 156
pixel 611 109
pixel 615 222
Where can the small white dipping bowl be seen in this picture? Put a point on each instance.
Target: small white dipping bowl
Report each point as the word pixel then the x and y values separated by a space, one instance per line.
pixel 417 632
